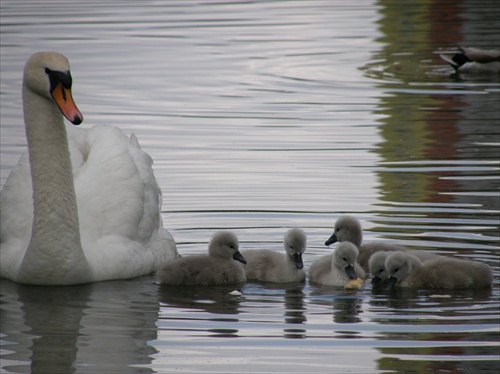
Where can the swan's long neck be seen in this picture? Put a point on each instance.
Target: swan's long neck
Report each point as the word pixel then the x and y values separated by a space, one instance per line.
pixel 55 250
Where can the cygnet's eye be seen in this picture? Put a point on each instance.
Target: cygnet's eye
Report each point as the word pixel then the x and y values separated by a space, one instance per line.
pixel 396 270
pixel 292 247
pixel 345 259
pixel 380 271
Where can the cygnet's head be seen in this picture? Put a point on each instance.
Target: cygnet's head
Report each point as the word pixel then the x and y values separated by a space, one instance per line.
pixel 377 267
pixel 225 244
pixel 295 245
pixel 344 257
pixel 399 265
pixel 347 229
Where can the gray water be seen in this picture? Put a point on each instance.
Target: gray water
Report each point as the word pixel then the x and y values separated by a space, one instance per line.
pixel 262 116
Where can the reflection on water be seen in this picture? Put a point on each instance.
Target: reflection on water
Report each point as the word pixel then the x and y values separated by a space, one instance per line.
pixel 345 304
pixel 216 300
pixel 98 328
pixel 443 324
pixel 261 116
pixel 439 139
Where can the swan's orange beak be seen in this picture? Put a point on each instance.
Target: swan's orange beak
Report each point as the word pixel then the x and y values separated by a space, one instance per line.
pixel 64 100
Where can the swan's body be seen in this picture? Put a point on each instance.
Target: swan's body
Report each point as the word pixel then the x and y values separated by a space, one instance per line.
pixel 79 208
pixel 474 60
pixel 407 271
pixel 218 267
pixel 271 266
pixel 337 268
pixel 348 229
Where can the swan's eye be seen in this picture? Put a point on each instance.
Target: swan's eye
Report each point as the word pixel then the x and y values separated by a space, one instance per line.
pixel 57 77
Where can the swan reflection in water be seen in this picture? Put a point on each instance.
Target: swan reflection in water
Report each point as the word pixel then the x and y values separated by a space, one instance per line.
pixel 92 328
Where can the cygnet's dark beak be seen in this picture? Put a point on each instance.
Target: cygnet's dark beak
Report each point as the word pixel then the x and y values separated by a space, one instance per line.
pixel 297 257
pixel 351 273
pixel 238 257
pixel 332 239
pixel 392 282
pixel 376 281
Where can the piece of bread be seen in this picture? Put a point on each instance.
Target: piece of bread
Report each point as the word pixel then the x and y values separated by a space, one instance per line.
pixel 354 284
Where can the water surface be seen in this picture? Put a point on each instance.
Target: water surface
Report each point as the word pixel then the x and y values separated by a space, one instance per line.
pixel 261 116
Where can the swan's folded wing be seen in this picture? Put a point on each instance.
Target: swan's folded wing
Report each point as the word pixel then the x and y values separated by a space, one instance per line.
pixel 116 190
pixel 16 216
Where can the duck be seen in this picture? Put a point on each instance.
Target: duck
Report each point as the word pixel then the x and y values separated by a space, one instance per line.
pixel 77 208
pixel 338 268
pixel 271 266
pixel 348 229
pixel 407 271
pixel 221 266
pixel 474 60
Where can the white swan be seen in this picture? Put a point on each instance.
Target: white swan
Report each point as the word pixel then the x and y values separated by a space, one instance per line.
pixel 474 60
pixel 82 209
pixel 407 271
pixel 213 269
pixel 337 268
pixel 272 266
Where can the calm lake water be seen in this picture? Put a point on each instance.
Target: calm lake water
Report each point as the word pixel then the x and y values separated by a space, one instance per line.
pixel 262 116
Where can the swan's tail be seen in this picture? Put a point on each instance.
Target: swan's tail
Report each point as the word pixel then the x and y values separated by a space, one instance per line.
pixel 134 141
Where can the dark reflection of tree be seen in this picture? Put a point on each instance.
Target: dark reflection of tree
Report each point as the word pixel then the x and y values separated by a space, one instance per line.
pixel 430 131
pixel 96 328
pixel 408 308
